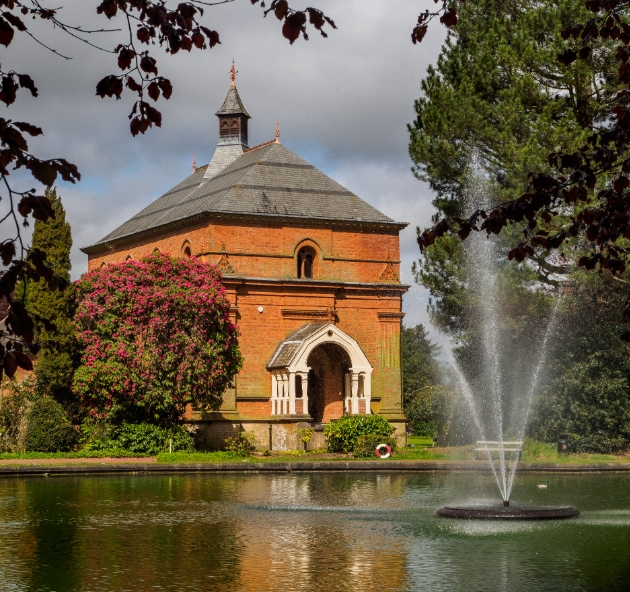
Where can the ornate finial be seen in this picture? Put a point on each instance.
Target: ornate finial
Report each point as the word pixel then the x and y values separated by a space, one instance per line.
pixel 233 73
pixel 194 163
pixel 277 131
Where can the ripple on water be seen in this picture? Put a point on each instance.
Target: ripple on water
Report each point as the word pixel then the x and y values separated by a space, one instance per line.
pixel 306 532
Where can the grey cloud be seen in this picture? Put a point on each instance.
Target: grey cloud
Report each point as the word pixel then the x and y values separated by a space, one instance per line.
pixel 343 104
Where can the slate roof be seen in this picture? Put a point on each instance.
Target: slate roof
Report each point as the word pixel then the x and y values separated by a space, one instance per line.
pixel 286 350
pixel 266 181
pixel 233 104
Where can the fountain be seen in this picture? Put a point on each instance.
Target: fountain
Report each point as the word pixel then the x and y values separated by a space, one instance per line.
pixel 496 404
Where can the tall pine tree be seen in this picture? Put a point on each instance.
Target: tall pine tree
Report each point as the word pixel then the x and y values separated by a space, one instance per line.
pixel 57 358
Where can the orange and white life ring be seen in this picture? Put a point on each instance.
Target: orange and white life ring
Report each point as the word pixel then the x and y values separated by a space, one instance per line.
pixel 386 454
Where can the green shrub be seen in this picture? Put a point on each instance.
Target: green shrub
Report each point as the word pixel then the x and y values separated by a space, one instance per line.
pixel 139 438
pixel 239 445
pixel 599 442
pixel 305 435
pixel 48 428
pixel 14 405
pixel 341 435
pixel 366 445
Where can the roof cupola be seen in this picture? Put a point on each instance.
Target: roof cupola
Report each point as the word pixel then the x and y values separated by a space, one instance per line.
pixel 232 130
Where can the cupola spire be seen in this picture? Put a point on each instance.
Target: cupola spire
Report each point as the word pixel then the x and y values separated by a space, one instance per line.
pixel 232 130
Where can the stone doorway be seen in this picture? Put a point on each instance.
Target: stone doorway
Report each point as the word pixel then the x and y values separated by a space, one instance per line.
pixel 319 372
pixel 328 364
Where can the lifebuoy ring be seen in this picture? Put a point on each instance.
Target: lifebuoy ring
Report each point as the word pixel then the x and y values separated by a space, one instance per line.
pixel 386 454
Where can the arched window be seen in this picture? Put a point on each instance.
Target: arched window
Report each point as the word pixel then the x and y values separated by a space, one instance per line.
pixel 187 252
pixel 128 258
pixel 103 264
pixel 156 251
pixel 306 262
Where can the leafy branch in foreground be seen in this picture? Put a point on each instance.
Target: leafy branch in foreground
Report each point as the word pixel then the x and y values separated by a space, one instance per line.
pixel 148 23
pixel 586 196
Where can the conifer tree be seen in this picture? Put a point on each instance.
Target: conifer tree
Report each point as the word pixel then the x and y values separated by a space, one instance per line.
pixel 57 358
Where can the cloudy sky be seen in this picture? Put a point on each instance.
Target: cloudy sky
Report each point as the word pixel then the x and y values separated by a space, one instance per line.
pixel 343 105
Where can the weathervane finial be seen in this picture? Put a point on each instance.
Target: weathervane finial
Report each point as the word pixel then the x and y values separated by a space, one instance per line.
pixel 194 162
pixel 233 73
pixel 277 131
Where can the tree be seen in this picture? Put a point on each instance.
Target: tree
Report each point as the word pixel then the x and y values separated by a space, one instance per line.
pixel 53 311
pixel 499 93
pixel 498 98
pixel 421 377
pixel 585 198
pixel 588 371
pixel 155 336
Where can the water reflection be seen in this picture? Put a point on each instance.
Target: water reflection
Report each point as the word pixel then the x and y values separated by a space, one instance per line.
pixel 305 532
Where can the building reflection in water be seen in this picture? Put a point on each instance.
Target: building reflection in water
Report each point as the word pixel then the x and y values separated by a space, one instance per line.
pixel 280 532
pixel 285 532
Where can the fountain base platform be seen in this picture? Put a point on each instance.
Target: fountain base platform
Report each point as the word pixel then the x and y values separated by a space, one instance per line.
pixel 501 512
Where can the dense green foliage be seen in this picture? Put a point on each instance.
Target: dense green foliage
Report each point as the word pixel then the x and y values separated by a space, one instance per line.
pixel 142 438
pixel 341 435
pixel 16 400
pixel 495 105
pixel 499 97
pixel 421 380
pixel 48 428
pixel 588 389
pixel 156 336
pixel 365 446
pixel 499 91
pixel 58 357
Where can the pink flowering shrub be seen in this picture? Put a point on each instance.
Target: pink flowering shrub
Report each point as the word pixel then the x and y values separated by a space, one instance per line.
pixel 155 335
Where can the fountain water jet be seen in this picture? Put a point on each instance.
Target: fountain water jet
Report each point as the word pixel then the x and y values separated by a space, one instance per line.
pixel 489 406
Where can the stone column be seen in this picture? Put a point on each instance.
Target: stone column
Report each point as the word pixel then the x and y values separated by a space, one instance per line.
pixel 304 378
pixel 354 409
pixel 285 394
pixel 347 401
pixel 274 393
pixel 389 379
pixel 291 393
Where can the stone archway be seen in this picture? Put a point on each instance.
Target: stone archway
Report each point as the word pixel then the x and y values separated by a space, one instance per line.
pixel 323 362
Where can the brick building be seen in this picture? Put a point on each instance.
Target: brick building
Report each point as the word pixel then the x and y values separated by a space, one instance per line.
pixel 311 272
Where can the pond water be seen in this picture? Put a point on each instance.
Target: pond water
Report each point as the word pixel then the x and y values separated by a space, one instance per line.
pixel 322 531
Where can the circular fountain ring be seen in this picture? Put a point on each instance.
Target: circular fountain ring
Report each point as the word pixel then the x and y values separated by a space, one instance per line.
pixel 509 513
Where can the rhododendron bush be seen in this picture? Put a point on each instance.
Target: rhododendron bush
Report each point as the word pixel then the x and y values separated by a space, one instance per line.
pixel 155 335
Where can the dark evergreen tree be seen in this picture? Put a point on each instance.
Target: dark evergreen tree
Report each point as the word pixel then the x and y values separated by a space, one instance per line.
pixel 500 98
pixel 58 356
pixel 421 376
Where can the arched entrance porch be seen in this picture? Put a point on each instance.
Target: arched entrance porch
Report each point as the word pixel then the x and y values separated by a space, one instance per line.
pixel 328 363
pixel 319 372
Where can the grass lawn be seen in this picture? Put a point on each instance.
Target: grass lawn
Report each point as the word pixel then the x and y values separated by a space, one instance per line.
pixel 420 441
pixel 536 452
pixel 74 454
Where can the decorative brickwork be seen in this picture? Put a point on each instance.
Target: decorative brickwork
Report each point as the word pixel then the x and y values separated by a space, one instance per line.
pixel 224 262
pixel 388 274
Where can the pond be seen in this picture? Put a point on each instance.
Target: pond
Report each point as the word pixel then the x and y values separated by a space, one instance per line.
pixel 316 531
